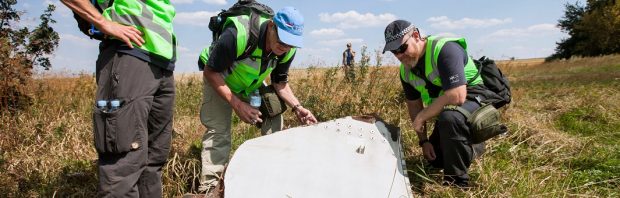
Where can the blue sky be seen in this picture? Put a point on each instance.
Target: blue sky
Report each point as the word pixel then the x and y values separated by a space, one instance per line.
pixel 498 29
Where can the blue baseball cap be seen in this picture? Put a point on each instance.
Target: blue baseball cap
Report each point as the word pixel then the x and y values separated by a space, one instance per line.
pixel 290 25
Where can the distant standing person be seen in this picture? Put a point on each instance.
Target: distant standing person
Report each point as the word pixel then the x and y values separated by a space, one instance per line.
pixel 348 57
pixel 135 93
pixel 348 61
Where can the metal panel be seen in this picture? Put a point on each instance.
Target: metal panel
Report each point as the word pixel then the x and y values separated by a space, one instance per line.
pixel 339 158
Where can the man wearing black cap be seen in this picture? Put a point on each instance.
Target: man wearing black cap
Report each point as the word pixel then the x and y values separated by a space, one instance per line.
pixel 435 72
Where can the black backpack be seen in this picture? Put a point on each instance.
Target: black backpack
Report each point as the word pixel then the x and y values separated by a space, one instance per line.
pixel 88 28
pixel 242 7
pixel 497 87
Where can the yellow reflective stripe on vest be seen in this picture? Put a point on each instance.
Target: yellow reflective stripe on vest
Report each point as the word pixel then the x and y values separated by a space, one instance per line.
pixel 240 23
pixel 418 84
pixel 145 19
pixel 431 70
pixel 157 30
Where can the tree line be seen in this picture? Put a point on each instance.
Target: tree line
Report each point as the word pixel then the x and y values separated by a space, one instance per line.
pixel 592 29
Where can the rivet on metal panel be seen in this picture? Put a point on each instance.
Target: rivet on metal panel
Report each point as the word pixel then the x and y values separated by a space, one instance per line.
pixel 337 130
pixel 349 126
pixel 361 135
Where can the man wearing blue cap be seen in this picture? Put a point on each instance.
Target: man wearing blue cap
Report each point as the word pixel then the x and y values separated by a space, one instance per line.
pixel 228 82
pixel 436 73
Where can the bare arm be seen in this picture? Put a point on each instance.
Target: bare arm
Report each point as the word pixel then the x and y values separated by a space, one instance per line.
pixel 246 112
pixel 88 12
pixel 286 93
pixel 454 96
pixel 414 107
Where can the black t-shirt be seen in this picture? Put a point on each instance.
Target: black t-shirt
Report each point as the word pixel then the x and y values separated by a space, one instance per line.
pixel 451 65
pixel 224 54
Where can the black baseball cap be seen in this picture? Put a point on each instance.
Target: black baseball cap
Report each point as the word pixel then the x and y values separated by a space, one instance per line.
pixel 394 33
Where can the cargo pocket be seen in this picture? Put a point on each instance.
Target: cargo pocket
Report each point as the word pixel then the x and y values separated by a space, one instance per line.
pixel 124 129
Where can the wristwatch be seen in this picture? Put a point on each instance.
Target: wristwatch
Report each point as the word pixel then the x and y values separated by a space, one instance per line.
pixel 421 142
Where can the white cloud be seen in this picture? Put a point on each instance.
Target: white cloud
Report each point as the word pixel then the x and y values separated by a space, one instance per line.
pixel 183 49
pixel 327 32
pixel 353 19
pixel 534 30
pixel 200 18
pixel 443 22
pixel 341 42
pixel 216 2
pixel 448 34
pixel 182 1
pixel 323 50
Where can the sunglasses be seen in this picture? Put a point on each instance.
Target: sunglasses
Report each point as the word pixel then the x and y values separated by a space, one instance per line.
pixel 402 48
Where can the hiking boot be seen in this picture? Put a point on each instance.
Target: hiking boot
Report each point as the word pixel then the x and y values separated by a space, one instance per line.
pixel 455 181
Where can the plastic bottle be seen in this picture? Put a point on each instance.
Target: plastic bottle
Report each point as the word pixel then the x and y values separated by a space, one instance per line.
pixel 114 105
pixel 255 99
pixel 102 105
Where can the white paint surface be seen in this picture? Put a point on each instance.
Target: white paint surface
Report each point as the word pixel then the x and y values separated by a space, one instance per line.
pixel 339 158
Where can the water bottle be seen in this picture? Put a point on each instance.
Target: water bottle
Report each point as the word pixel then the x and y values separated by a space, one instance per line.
pixel 102 105
pixel 114 105
pixel 255 99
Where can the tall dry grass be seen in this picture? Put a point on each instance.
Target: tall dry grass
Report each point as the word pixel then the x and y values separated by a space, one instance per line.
pixel 564 129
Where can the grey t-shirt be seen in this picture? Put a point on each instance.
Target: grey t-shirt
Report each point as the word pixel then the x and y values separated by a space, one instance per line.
pixel 225 50
pixel 451 65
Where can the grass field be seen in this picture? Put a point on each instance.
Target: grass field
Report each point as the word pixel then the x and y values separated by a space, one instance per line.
pixel 563 141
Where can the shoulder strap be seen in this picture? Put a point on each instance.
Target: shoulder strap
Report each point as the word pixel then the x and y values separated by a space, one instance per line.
pixel 253 39
pixel 479 63
pixel 459 109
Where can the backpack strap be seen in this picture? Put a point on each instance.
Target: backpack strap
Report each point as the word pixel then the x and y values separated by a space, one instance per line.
pixel 459 109
pixel 479 63
pixel 253 39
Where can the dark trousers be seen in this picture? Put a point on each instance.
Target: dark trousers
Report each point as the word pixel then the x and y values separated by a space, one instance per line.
pixel 451 142
pixel 143 124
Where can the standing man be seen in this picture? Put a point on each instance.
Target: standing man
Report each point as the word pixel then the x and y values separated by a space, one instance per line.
pixel 228 83
pixel 348 61
pixel 435 72
pixel 134 69
pixel 348 57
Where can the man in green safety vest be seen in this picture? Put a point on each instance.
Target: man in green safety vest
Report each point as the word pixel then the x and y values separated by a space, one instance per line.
pixel 135 93
pixel 228 82
pixel 436 72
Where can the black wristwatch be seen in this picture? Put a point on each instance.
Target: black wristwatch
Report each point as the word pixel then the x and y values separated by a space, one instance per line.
pixel 421 142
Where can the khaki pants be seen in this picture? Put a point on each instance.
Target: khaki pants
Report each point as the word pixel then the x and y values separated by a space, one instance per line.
pixel 216 116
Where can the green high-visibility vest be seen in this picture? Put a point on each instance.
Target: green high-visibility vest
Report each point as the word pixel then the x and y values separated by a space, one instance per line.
pixel 433 47
pixel 152 17
pixel 244 76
